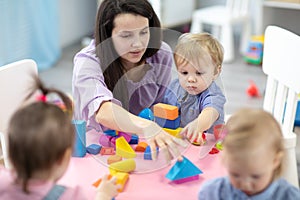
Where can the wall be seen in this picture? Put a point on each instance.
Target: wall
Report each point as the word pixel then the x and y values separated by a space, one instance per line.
pixel 77 18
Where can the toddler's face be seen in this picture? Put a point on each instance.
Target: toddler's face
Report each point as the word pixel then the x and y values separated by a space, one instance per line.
pixel 251 174
pixel 193 80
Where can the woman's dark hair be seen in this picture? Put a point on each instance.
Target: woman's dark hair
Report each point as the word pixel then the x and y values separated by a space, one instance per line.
pixel 110 62
pixel 39 134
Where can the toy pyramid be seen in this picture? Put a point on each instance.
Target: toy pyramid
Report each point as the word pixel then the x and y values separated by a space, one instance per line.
pixel 183 171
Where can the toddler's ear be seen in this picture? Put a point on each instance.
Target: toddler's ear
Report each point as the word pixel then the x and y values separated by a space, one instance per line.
pixel 217 72
pixel 278 159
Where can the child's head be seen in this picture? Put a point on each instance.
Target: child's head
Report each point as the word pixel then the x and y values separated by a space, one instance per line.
pixel 253 150
pixel 40 139
pixel 198 58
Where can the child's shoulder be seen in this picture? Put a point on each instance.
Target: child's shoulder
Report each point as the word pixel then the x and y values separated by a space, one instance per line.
pixel 286 190
pixel 212 189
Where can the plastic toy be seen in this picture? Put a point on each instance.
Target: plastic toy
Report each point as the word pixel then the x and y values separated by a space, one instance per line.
pixel 166 123
pixel 93 149
pixel 183 171
pixel 252 90
pixel 113 158
pixel 127 166
pixel 107 151
pixel 165 111
pixel 79 149
pixel 123 149
pixel 174 132
pixel 141 147
pixel 147 114
pixel 254 52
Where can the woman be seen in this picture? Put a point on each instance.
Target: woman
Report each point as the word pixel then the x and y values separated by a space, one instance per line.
pixel 124 70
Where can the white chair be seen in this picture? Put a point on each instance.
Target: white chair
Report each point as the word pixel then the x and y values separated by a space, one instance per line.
pixel 281 65
pixel 16 79
pixel 222 18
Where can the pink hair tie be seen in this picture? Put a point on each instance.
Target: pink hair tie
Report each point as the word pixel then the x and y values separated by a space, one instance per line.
pixel 41 98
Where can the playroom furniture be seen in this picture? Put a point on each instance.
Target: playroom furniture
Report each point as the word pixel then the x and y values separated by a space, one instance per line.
pixel 222 18
pixel 16 80
pixel 281 65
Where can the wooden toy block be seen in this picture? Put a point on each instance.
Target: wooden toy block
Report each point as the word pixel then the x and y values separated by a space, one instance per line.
pixel 174 132
pixel 184 169
pixel 134 139
pixel 123 149
pixel 107 151
pixel 79 149
pixel 166 123
pixel 165 111
pixel 141 147
pixel 127 165
pixel 113 159
pixel 93 149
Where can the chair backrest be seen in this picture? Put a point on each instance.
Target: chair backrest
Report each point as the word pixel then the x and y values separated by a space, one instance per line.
pixel 16 79
pixel 281 64
pixel 238 7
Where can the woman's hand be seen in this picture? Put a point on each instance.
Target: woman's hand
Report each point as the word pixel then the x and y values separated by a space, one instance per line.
pixel 166 143
pixel 108 188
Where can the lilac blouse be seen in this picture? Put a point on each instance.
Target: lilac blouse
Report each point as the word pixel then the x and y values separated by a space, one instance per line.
pixel 89 88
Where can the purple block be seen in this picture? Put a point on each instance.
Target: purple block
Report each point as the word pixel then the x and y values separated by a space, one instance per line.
pixel 125 135
pixel 105 140
pixel 191 178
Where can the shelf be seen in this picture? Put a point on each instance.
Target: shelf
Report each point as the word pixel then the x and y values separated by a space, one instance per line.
pixel 276 4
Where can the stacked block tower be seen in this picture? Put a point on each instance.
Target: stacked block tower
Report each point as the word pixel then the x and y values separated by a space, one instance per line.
pixel 167 116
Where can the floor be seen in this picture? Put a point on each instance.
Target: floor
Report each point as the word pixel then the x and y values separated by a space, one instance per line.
pixel 235 77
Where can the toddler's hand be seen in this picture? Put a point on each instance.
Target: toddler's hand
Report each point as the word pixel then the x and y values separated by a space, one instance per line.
pixel 107 189
pixel 192 133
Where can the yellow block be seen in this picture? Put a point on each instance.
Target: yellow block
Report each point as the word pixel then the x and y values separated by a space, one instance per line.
pixel 127 166
pixel 122 179
pixel 123 149
pixel 174 132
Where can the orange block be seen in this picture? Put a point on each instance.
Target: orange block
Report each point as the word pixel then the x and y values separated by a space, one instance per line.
pixel 165 111
pixel 141 147
pixel 113 159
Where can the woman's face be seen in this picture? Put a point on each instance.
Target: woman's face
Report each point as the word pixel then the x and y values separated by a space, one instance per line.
pixel 130 37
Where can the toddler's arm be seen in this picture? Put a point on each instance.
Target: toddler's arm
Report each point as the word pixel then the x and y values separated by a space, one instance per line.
pixel 193 131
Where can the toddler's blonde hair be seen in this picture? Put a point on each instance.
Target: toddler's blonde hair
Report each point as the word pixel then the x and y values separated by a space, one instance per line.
pixel 199 47
pixel 249 129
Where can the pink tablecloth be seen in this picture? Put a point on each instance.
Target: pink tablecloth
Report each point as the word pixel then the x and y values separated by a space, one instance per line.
pixel 143 186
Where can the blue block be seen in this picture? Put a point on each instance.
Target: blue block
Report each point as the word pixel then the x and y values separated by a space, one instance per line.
pixel 93 149
pixel 110 132
pixel 166 123
pixel 147 114
pixel 297 117
pixel 79 149
pixel 134 139
pixel 147 153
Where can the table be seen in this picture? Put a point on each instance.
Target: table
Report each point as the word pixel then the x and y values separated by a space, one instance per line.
pixel 142 186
